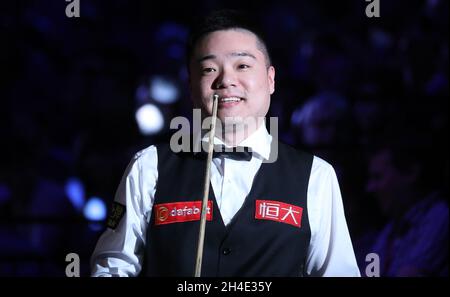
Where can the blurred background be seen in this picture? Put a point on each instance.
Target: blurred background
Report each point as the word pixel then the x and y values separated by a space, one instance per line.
pixel 80 96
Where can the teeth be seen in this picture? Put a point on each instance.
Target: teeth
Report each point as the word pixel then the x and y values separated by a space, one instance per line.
pixel 230 99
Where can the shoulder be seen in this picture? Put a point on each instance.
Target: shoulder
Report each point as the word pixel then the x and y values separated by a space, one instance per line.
pixel 289 152
pixel 145 157
pixel 318 165
pixel 150 156
pixel 435 208
pixel 146 152
pixel 323 178
pixel 322 167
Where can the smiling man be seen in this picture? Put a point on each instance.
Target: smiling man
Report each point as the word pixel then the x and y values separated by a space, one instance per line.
pixel 282 218
pixel 235 65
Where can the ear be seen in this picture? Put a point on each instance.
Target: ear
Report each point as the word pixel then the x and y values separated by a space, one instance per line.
pixel 271 78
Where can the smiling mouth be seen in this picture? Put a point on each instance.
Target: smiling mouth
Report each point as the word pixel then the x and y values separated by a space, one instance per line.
pixel 229 101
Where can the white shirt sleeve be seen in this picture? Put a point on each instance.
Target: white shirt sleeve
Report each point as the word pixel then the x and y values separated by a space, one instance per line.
pixel 330 252
pixel 119 252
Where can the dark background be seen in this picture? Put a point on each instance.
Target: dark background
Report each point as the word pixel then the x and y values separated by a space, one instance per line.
pixel 70 88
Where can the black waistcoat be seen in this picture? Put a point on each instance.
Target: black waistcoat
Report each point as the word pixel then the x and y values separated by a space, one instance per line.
pixel 247 246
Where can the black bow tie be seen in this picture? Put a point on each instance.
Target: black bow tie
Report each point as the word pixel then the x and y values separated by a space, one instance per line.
pixel 240 153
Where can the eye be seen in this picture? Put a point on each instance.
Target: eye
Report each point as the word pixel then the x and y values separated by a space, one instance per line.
pixel 208 70
pixel 243 66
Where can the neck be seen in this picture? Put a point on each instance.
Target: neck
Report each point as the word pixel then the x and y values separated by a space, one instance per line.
pixel 234 134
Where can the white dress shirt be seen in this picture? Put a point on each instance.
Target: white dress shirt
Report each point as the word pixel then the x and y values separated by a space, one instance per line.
pixel 119 252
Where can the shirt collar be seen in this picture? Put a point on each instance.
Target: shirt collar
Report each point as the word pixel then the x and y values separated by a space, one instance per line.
pixel 259 142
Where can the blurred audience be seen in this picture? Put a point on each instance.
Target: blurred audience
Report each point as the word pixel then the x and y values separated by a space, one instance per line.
pixel 414 240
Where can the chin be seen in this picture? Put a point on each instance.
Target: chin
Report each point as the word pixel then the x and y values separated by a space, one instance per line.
pixel 229 121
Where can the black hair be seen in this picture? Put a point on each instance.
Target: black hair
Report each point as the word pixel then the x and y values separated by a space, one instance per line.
pixel 225 19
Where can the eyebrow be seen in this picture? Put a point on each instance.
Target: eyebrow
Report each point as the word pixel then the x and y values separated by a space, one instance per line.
pixel 233 54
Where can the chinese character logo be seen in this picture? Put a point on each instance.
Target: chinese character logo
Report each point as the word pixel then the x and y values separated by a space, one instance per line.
pixel 279 212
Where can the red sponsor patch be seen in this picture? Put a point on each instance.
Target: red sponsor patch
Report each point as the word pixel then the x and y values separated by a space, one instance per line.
pixel 279 211
pixel 176 212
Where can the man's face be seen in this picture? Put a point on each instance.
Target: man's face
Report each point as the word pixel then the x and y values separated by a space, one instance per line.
pixel 388 184
pixel 229 63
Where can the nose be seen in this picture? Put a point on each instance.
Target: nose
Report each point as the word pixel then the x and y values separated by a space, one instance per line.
pixel 225 79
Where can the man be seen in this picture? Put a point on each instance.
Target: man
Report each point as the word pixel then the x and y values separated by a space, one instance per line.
pixel 282 218
pixel 414 241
